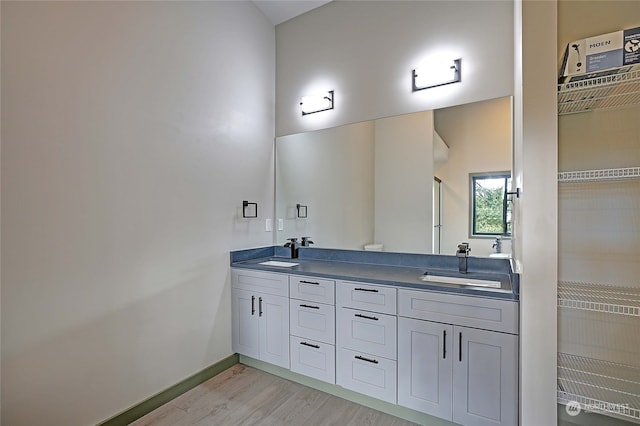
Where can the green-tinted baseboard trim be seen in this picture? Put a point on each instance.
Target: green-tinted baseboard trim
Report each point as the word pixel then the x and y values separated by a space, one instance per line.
pixel 339 391
pixel 161 398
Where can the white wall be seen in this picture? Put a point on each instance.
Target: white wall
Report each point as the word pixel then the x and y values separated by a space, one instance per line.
pixel 131 133
pixel 330 171
pixel 404 182
pixel 0 228
pixel 365 51
pixel 599 239
pixel 535 212
pixel 479 136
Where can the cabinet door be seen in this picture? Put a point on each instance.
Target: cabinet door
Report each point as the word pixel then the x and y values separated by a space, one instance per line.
pixel 273 314
pixel 425 360
pixel 485 377
pixel 244 323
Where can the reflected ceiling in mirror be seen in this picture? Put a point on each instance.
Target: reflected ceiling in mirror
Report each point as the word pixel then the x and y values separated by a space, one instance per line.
pixel 373 184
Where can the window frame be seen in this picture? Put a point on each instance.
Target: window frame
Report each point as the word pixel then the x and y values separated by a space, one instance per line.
pixel 473 177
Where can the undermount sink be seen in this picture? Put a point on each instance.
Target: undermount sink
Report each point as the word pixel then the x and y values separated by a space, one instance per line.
pixel 278 263
pixel 460 281
pixel 501 255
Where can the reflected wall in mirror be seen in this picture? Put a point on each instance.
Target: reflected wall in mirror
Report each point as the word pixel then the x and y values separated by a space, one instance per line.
pixel 374 184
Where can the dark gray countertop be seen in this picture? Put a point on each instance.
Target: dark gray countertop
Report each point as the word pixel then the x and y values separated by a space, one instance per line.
pixel 402 272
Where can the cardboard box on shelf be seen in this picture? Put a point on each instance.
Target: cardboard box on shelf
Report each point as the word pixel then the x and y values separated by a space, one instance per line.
pixel 601 55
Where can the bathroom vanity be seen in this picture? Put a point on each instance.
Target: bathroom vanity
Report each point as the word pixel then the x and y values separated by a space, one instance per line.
pixel 370 322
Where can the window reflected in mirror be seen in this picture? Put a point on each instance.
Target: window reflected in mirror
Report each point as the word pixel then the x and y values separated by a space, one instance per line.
pixel 490 207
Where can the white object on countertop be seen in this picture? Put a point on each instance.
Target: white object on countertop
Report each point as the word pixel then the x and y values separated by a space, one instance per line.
pixel 373 247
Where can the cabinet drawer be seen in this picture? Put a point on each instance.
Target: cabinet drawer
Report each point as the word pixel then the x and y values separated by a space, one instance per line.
pixel 313 359
pixel 312 320
pixel 262 282
pixel 369 297
pixel 367 374
pixel 312 289
pixel 476 312
pixel 369 332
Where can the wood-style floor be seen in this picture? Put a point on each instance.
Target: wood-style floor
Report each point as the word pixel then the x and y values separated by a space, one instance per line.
pixel 244 395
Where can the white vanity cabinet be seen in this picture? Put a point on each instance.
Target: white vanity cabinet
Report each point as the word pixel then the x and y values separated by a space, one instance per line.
pixel 448 368
pixel 260 315
pixel 312 327
pixel 367 339
pixel 449 355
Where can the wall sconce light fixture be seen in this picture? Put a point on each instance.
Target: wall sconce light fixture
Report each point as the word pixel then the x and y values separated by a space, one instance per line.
pixel 302 210
pixel 249 210
pixel 436 74
pixel 316 103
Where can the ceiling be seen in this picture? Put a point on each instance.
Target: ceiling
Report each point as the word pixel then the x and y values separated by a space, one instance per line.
pixel 279 11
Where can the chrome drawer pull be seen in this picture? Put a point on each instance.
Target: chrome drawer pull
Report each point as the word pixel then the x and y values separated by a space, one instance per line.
pixel 373 361
pixel 310 345
pixel 372 290
pixel 366 317
pixel 309 306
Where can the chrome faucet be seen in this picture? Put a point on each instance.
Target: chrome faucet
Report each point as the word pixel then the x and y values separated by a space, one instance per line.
pixel 292 242
pixel 306 242
pixel 462 254
pixel 497 245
